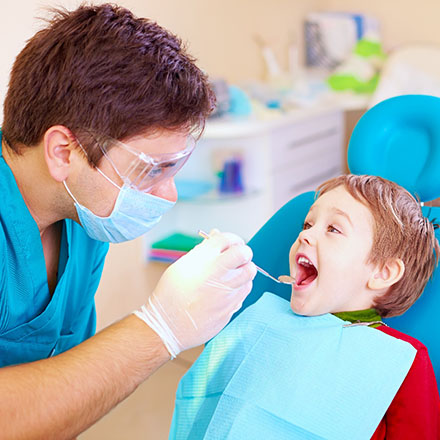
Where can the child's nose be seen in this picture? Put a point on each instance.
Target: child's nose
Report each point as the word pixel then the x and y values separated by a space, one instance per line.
pixel 306 236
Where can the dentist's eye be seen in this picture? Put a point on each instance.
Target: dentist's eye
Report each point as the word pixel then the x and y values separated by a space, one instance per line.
pixel 331 228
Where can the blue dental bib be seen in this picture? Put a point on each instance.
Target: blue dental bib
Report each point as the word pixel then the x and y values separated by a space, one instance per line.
pixel 271 374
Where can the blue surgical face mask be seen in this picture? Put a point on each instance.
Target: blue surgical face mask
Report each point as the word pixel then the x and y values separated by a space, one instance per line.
pixel 134 214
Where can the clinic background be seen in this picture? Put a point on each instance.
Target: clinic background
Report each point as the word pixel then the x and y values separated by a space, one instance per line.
pixel 221 35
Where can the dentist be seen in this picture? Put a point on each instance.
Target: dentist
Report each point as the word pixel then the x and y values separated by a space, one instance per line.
pixel 101 113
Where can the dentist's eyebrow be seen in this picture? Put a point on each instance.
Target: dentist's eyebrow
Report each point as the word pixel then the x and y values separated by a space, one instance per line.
pixel 343 214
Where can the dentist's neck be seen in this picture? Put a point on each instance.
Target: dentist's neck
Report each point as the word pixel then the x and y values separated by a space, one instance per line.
pixel 38 189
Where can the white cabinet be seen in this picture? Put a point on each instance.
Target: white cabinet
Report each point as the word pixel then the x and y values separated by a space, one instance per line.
pixel 282 158
pixel 304 155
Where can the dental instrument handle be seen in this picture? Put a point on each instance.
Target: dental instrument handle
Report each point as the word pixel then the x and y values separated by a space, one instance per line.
pixel 283 278
pixel 266 274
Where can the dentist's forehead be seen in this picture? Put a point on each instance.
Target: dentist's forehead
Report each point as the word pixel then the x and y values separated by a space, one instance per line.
pixel 160 142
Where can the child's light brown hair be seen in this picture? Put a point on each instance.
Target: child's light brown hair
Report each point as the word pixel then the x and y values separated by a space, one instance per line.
pixel 400 231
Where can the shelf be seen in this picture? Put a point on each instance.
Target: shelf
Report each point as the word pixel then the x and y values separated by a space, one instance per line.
pixel 230 127
pixel 213 197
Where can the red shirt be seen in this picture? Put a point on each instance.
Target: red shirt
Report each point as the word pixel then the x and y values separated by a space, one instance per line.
pixel 414 412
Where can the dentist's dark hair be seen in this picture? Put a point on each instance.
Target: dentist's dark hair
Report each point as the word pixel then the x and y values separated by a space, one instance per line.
pixel 101 68
pixel 400 231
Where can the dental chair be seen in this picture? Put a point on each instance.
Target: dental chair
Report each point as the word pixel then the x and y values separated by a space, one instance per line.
pixel 398 139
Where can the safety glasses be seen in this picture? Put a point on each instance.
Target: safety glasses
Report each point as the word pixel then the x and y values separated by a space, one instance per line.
pixel 139 170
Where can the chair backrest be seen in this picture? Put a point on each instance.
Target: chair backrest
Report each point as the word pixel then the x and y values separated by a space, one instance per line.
pixel 399 139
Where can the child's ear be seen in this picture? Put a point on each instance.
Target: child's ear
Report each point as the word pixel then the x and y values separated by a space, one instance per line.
pixel 387 274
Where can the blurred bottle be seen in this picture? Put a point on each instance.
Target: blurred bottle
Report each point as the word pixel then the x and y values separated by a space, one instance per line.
pixel 231 176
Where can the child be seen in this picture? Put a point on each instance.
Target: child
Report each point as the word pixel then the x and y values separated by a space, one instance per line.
pixel 365 252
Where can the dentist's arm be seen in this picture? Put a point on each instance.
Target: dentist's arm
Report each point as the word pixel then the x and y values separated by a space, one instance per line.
pixel 60 397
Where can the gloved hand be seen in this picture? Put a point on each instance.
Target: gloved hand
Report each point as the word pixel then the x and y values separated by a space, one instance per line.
pixel 198 294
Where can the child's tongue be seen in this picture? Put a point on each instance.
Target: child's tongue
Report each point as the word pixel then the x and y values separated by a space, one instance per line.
pixel 306 274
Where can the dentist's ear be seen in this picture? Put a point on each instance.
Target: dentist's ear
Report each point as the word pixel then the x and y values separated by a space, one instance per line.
pixel 387 274
pixel 57 144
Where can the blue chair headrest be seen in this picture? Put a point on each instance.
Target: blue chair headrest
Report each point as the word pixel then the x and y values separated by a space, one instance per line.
pixel 399 139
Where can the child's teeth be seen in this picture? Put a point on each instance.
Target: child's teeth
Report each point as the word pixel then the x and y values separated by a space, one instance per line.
pixel 302 260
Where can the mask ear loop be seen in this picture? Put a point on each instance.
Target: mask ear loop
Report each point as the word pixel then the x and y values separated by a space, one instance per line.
pixel 102 174
pixel 108 178
pixel 99 171
pixel 70 192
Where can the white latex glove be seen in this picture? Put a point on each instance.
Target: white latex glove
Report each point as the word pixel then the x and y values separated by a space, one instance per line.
pixel 198 294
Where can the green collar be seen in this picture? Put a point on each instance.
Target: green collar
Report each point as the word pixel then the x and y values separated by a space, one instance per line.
pixel 359 316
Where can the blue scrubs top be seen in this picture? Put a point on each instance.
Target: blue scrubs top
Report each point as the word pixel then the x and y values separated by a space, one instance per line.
pixel 34 324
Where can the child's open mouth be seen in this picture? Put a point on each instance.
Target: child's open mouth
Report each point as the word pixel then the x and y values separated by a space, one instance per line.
pixel 306 271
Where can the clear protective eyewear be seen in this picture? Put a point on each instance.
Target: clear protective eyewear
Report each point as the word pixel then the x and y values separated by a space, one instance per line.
pixel 144 170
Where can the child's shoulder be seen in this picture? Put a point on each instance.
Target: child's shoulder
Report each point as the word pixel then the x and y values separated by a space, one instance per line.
pixel 403 336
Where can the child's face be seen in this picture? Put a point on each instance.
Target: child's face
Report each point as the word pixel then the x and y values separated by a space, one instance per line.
pixel 337 239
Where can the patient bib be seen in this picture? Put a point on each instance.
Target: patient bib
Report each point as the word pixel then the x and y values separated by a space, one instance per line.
pixel 272 374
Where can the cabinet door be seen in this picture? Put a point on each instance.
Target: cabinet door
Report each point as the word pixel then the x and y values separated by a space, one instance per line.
pixel 305 155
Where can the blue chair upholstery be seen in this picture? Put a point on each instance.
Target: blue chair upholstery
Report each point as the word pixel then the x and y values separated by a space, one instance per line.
pixel 271 245
pixel 398 139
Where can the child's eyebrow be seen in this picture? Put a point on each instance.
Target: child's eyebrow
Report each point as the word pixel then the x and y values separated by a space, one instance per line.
pixel 344 214
pixel 336 211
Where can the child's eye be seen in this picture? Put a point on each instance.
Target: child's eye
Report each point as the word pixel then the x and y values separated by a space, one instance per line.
pixel 306 225
pixel 331 228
